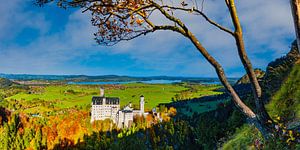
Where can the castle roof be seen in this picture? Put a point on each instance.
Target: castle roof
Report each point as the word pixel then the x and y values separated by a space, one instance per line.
pixel 98 100
pixel 126 111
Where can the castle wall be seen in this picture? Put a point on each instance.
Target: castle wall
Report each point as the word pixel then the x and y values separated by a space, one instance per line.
pixel 125 119
pixel 102 112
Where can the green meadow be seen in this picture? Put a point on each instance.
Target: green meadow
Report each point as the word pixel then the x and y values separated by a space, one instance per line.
pixel 68 96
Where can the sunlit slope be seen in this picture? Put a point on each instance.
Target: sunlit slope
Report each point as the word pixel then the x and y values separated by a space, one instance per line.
pixel 286 101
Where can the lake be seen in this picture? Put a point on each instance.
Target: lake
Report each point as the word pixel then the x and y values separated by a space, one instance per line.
pixel 126 82
pixel 203 81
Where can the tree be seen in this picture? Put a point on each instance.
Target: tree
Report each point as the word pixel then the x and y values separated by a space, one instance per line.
pixel 38 138
pixel 295 7
pixel 123 20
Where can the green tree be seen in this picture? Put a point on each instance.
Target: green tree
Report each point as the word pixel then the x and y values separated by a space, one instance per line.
pixel 4 137
pixel 38 139
pixel 28 136
pixel 19 143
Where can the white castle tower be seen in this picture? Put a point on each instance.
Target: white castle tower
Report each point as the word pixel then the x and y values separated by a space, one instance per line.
pixel 142 103
pixel 101 92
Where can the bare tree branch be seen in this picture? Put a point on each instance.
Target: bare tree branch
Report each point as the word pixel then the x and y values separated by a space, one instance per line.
pixel 244 108
pixel 203 15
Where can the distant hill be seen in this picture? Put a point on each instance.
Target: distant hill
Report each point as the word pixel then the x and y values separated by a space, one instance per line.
pixel 79 78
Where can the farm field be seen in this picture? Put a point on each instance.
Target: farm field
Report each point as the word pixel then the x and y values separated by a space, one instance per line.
pixel 68 96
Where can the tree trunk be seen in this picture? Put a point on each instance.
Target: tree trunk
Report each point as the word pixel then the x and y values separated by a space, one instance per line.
pixel 263 116
pixel 295 7
pixel 252 117
pixel 221 74
pixel 263 129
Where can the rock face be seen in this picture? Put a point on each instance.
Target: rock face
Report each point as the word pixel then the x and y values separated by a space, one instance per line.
pixel 278 70
pixel 276 73
pixel 245 79
pixel 4 83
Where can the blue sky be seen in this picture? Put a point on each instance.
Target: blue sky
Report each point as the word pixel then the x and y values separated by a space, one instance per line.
pixel 51 40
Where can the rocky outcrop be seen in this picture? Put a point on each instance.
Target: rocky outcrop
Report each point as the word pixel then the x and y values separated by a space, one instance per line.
pixel 245 79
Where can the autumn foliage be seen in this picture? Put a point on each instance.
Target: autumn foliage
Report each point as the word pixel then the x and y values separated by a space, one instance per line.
pixel 64 130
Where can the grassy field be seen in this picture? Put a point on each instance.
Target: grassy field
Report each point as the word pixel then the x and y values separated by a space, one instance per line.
pixel 66 96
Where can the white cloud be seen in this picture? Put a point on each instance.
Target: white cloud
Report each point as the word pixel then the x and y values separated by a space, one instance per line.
pixel 14 19
pixel 267 25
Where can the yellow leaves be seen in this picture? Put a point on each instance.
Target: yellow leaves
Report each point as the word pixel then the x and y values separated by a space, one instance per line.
pixel 172 111
pixel 290 132
pixel 289 140
pixel 281 125
pixel 135 19
pixel 32 143
pixel 143 13
pixel 278 118
pixel 283 131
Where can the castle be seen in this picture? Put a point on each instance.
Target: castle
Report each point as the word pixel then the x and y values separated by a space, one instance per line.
pixel 109 108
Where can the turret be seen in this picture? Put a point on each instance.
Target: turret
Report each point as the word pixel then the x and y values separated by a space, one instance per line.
pixel 130 105
pixel 101 92
pixel 142 103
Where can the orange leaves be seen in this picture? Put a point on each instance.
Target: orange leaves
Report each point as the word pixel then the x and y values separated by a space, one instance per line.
pixel 70 128
pixel 21 131
pixel 139 21
pixel 119 20
pixel 52 135
pixel 135 19
pixel 149 119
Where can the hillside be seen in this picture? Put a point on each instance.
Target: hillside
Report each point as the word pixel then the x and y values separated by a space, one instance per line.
pixel 287 98
pixel 277 72
pixel 281 86
pixel 285 103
